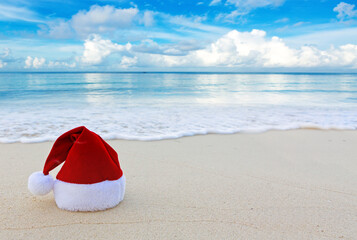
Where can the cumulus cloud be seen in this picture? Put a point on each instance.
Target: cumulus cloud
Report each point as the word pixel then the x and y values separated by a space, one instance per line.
pixel 102 19
pixel 236 50
pixel 2 64
pixel 28 62
pixel 98 19
pixel 40 62
pixel 61 64
pixel 128 61
pixel 36 62
pixel 255 50
pixel 96 49
pixel 345 11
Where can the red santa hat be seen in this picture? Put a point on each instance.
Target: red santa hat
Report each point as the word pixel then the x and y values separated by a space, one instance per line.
pixel 90 179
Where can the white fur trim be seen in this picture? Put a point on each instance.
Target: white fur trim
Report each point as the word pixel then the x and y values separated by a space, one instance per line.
pixel 40 184
pixel 89 197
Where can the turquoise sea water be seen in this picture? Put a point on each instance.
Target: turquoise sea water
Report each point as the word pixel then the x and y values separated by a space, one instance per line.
pixel 148 106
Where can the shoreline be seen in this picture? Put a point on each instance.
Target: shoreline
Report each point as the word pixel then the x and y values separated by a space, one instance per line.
pixel 158 139
pixel 291 184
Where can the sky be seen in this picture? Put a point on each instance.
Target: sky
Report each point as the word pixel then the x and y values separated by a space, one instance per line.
pixel 174 35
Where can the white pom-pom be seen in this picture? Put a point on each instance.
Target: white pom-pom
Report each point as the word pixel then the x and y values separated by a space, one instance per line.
pixel 40 184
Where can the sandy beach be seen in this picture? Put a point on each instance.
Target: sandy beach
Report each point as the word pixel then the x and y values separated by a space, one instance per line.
pixel 299 184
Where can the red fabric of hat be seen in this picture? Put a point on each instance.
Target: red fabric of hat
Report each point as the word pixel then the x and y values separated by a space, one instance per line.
pixel 87 158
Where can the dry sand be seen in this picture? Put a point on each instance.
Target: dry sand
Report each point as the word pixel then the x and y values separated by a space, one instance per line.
pixel 277 185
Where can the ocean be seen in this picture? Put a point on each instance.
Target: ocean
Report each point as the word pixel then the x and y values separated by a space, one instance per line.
pixel 37 107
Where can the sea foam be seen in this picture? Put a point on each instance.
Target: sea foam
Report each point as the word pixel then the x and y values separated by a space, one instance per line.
pixel 156 123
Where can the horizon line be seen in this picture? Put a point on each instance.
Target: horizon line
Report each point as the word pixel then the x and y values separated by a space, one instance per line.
pixel 170 72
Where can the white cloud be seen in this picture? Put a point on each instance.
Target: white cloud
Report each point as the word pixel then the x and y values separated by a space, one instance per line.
pixel 179 49
pixel 215 2
pixel 61 64
pixel 345 11
pixel 6 53
pixel 36 62
pixel 40 62
pixel 127 25
pixel 148 18
pixel 13 13
pixel 102 19
pixel 254 50
pixel 282 20
pixel 60 30
pixel 128 61
pixel 2 64
pixel 299 24
pixel 244 7
pixel 6 58
pixel 195 24
pixel 28 62
pixel 96 49
pixel 235 50
pixel 251 4
pixel 231 17
pixel 98 19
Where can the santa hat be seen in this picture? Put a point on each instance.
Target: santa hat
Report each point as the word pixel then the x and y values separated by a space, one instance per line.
pixel 90 179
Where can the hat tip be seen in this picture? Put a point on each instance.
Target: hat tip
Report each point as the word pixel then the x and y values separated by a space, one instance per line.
pixel 40 184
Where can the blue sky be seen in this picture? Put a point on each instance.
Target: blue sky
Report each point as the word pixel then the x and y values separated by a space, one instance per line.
pixel 214 35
